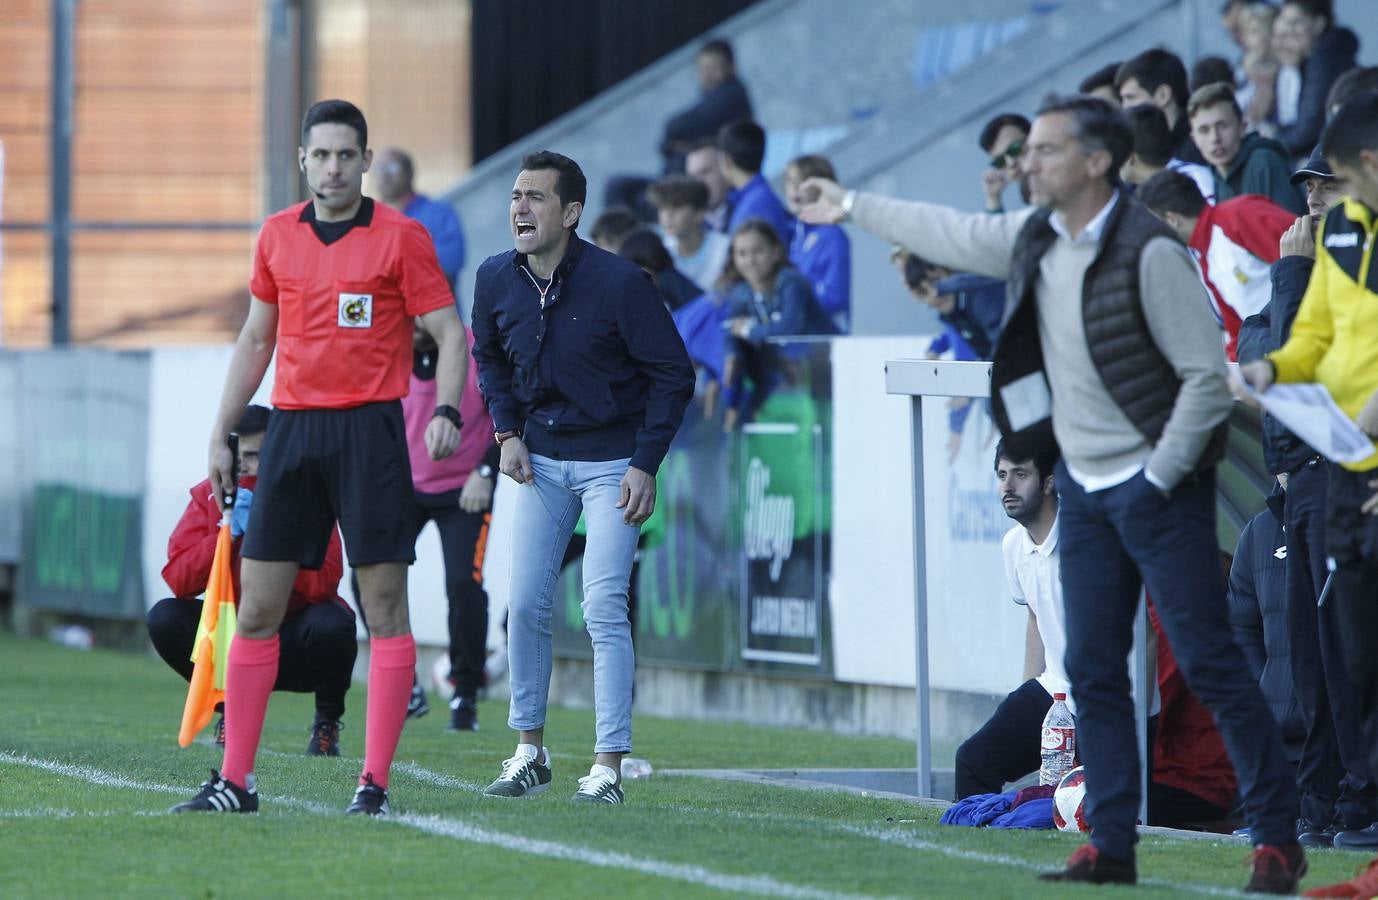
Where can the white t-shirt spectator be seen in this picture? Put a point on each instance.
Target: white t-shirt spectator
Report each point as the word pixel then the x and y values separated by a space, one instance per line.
pixel 706 264
pixel 1035 582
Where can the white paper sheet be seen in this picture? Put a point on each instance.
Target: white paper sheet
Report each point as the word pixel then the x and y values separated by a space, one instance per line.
pixel 1311 413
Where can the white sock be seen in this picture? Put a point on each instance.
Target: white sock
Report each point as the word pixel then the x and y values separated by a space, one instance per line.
pixel 600 769
pixel 528 751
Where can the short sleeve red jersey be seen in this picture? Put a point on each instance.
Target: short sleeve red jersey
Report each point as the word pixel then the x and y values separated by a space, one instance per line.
pixel 345 308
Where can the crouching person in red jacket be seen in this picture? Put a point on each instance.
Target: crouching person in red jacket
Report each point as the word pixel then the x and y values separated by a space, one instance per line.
pixel 318 633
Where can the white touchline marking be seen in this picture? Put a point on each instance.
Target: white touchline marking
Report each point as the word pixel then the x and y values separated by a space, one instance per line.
pixel 753 884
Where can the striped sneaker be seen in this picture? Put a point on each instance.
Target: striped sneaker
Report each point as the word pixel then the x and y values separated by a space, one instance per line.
pixel 222 795
pixel 599 786
pixel 523 774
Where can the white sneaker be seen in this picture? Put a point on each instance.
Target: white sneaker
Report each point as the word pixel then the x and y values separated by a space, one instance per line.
pixel 599 786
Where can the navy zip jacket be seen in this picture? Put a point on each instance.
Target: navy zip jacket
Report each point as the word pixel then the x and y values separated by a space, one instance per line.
pixel 595 371
pixel 1265 332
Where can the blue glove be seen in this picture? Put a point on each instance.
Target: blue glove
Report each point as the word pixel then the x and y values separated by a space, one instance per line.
pixel 239 516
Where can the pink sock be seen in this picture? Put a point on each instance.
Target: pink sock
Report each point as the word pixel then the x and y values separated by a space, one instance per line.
pixel 391 668
pixel 249 679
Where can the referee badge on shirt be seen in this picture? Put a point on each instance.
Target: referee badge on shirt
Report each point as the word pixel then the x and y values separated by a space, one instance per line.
pixel 356 311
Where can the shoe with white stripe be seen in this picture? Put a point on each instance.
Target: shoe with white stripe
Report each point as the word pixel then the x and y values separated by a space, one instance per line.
pixel 369 800
pixel 221 795
pixel 599 786
pixel 523 774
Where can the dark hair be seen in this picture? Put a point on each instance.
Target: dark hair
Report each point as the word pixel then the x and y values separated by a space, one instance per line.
pixel 917 270
pixel 613 226
pixel 1154 68
pixel 991 130
pixel 1101 78
pixel 570 184
pixel 254 420
pixel 811 165
pixel 1213 95
pixel 730 276
pixel 334 112
pixel 1349 85
pixel 674 191
pixel 1153 142
pixel 643 247
pixel 1354 128
pixel 1043 460
pixel 1100 126
pixel 743 142
pixel 1172 192
pixel 702 143
pixel 1316 9
pixel 1209 70
pixel 719 47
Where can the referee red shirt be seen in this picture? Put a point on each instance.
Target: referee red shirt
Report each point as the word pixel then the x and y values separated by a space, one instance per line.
pixel 345 308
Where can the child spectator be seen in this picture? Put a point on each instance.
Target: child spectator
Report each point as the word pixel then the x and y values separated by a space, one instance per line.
pixel 821 253
pixel 698 252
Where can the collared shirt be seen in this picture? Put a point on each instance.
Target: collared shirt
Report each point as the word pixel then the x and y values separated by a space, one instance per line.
pixel 1036 582
pixel 1090 234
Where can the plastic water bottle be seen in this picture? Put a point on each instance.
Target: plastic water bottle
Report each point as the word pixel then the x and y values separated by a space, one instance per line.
pixel 1059 744
pixel 634 767
pixel 78 637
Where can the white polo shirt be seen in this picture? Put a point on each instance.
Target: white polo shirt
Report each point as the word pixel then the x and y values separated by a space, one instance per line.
pixel 1032 571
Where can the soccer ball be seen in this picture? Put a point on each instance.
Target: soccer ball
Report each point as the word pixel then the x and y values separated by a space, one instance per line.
pixel 1069 802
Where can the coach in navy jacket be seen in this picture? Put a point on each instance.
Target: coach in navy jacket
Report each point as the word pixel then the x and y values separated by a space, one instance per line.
pixel 596 372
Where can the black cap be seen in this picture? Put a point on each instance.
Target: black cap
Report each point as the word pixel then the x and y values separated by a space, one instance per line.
pixel 1315 167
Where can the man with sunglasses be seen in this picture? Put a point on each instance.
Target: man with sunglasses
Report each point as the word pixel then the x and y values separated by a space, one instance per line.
pixel 1002 139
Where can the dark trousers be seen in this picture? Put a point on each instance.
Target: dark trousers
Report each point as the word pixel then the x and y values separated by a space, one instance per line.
pixel 1352 543
pixel 1332 778
pixel 1006 748
pixel 1112 542
pixel 463 542
pixel 318 646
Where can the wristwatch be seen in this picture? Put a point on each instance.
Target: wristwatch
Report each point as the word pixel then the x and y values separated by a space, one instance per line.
pixel 447 411
pixel 848 201
pixel 484 471
pixel 501 436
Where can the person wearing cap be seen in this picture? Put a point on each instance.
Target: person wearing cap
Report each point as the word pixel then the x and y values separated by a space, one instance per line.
pixel 1335 793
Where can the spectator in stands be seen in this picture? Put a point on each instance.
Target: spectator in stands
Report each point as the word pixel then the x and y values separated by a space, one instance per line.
pixel 612 226
pixel 1002 139
pixel 1350 85
pixel 457 494
pixel 644 248
pixel 1312 52
pixel 1101 83
pixel 766 297
pixel 1259 617
pixel 1006 747
pixel 1337 794
pixel 1153 152
pixel 702 163
pixel 1244 163
pixel 1138 403
pixel 741 148
pixel 1158 77
pixel 1234 243
pixel 1210 70
pixel 1332 343
pixel 318 637
pixel 821 253
pixel 394 174
pixel 697 251
pixel 723 99
pixel 1256 76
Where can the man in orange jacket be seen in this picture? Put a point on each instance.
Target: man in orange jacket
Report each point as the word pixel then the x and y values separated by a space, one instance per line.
pixel 318 634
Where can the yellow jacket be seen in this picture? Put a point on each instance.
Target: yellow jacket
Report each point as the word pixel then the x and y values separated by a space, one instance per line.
pixel 1334 339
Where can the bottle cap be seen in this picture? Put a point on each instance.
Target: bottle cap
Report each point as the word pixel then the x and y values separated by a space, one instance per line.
pixel 1059 697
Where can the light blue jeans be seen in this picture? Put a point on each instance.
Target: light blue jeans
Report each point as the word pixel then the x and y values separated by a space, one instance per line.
pixel 545 515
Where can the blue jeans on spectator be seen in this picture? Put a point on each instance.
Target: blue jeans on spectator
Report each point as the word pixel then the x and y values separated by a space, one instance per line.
pixel 1110 541
pixel 544 518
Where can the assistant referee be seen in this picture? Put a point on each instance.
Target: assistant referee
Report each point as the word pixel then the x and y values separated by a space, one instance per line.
pixel 337 282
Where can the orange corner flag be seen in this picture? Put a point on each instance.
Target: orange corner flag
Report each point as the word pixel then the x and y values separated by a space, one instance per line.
pixel 212 646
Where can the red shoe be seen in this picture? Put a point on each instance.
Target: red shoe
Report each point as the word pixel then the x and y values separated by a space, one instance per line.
pixel 1089 865
pixel 1277 869
pixel 1365 884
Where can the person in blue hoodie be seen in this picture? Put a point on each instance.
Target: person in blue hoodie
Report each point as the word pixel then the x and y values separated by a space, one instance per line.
pixel 821 253
pixel 741 149
pixel 766 298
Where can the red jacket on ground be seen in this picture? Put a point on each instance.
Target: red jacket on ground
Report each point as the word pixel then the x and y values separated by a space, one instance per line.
pixel 191 549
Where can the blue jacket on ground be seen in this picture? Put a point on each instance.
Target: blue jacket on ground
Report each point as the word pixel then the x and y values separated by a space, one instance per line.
pixel 823 255
pixel 442 222
pixel 978 809
pixel 595 370
pixel 755 200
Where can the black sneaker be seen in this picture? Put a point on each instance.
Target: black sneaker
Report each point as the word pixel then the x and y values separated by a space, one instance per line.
pixel 369 800
pixel 220 732
pixel 325 738
pixel 463 714
pixel 599 786
pixel 417 705
pixel 220 795
pixel 1358 838
pixel 521 776
pixel 1313 834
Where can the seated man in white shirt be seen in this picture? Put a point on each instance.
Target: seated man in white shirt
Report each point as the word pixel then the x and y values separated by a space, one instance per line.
pixel 1006 748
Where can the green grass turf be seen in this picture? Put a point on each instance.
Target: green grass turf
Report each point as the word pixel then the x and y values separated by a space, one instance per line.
pixel 106 713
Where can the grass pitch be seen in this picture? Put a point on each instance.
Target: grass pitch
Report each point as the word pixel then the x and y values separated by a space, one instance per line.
pixel 89 764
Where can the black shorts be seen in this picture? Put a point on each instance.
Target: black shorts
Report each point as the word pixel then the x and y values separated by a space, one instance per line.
pixel 318 466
